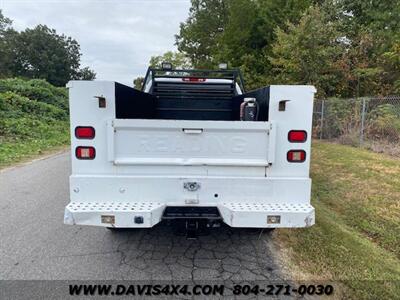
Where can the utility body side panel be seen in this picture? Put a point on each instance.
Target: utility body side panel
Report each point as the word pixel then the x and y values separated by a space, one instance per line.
pixel 296 116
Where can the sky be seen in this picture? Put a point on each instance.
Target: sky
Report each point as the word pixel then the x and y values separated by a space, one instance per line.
pixel 117 37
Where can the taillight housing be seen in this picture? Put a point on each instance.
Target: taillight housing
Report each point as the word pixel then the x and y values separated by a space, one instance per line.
pixel 297 136
pixel 84 132
pixel 85 152
pixel 193 79
pixel 296 156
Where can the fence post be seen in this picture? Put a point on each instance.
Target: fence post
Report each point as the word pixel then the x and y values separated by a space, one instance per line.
pixel 362 122
pixel 322 118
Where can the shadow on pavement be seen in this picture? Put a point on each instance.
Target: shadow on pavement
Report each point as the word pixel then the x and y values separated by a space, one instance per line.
pixel 225 254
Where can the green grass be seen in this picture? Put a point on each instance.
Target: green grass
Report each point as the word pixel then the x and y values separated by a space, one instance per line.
pixel 356 238
pixel 15 151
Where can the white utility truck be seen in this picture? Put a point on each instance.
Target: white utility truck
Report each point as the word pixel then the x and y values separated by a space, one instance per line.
pixel 191 147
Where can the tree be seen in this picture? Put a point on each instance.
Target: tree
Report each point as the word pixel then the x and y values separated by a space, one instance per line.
pixel 198 37
pixel 178 60
pixel 138 82
pixel 242 41
pixel 373 31
pixel 251 26
pixel 6 55
pixel 278 13
pixel 42 53
pixel 239 32
pixel 390 61
pixel 85 74
pixel 311 53
pixel 379 18
pixel 5 23
pixel 241 35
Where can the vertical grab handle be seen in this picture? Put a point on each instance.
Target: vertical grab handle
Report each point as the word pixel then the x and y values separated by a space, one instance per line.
pixel 272 143
pixel 110 140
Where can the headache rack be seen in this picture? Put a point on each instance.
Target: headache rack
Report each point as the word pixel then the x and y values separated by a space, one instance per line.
pixel 232 74
pixel 194 94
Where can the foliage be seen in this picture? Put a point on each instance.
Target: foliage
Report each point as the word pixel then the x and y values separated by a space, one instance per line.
pixel 242 39
pixel 5 50
pixel 384 123
pixel 4 23
pixel 342 120
pixel 85 74
pixel 178 60
pixel 33 118
pixel 390 61
pixel 40 53
pixel 198 37
pixel 346 48
pixel 341 117
pixel 372 28
pixel 363 70
pixel 308 53
pixel 237 32
pixel 138 82
pixel 380 18
pixel 36 89
pixel 250 33
pixel 242 34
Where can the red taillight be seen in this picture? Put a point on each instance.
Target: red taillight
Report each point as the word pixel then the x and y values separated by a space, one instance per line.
pixel 193 79
pixel 84 152
pixel 296 156
pixel 297 136
pixel 82 132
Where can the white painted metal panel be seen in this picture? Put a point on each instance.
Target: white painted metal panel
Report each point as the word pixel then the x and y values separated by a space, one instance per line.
pixel 247 214
pixel 166 142
pixel 170 189
pixel 124 213
pixel 296 116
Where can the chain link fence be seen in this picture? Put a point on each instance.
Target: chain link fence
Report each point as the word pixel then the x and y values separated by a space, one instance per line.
pixel 371 122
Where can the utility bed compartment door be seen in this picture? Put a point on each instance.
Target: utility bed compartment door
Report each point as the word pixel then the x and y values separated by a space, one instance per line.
pixel 178 142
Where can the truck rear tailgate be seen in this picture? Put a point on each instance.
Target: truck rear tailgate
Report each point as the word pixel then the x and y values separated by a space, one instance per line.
pixel 197 143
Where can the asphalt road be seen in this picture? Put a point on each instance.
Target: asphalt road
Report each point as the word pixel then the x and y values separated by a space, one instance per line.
pixel 35 244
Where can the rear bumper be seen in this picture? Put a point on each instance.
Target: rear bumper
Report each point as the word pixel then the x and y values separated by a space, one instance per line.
pixel 241 201
pixel 148 214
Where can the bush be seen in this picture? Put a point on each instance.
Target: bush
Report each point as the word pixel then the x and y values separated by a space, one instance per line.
pixel 36 89
pixel 33 117
pixel 341 117
pixel 384 123
pixel 13 105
